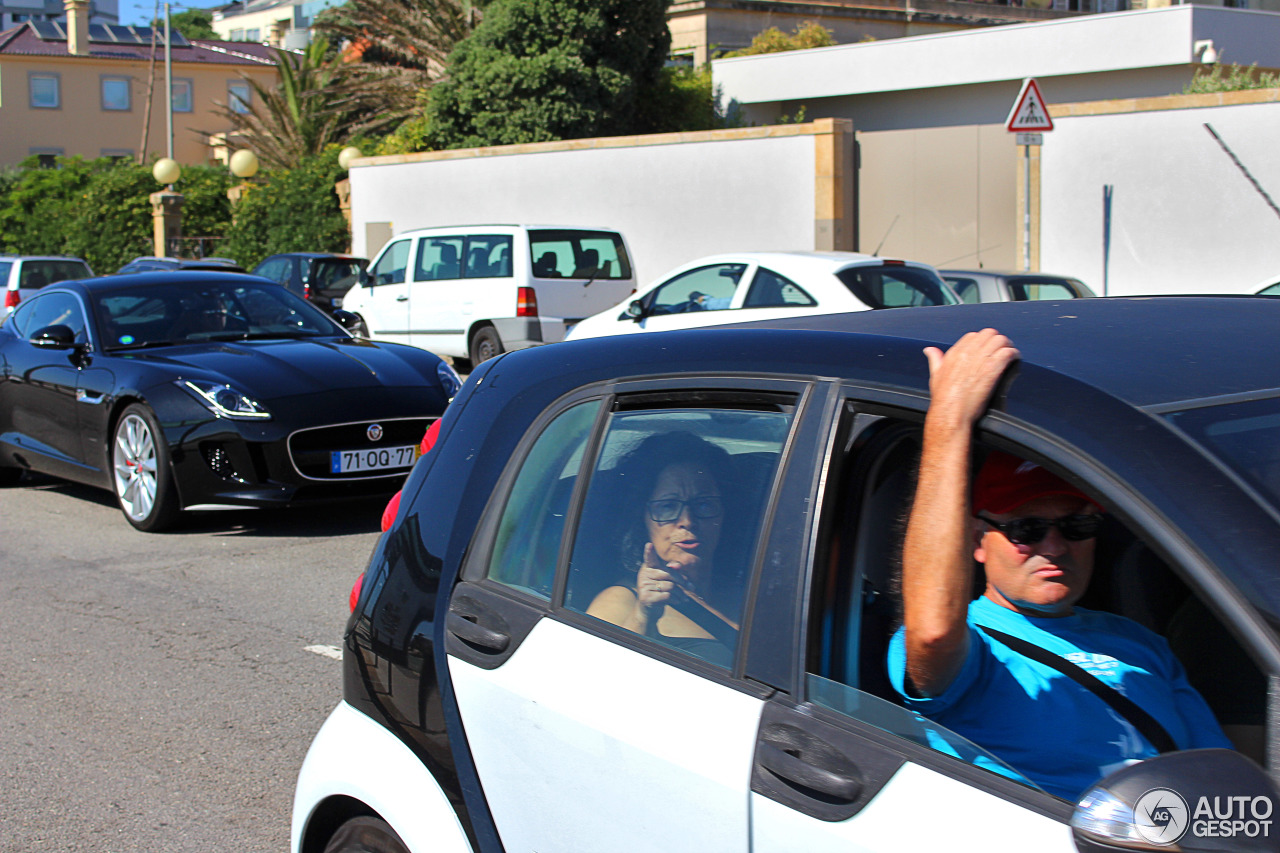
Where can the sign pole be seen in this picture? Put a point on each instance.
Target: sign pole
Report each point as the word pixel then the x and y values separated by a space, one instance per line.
pixel 1026 213
pixel 1029 118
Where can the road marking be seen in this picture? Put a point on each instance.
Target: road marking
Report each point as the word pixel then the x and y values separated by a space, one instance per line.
pixel 327 651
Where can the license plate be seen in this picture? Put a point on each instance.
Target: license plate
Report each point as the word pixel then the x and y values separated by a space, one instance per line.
pixel 336 301
pixel 372 459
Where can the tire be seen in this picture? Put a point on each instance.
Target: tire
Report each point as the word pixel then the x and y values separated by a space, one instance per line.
pixel 141 472
pixel 365 835
pixel 485 345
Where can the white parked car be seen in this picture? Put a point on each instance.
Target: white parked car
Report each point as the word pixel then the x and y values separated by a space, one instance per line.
pixel 475 291
pixel 22 275
pixel 743 286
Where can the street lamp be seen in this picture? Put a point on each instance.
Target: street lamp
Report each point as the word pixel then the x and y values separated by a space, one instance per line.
pixel 244 163
pixel 346 155
pixel 166 171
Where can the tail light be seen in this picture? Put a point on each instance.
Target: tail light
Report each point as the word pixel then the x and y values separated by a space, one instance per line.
pixel 355 592
pixel 13 297
pixel 306 290
pixel 527 302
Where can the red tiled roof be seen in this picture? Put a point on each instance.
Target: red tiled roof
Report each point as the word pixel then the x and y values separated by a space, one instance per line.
pixel 23 41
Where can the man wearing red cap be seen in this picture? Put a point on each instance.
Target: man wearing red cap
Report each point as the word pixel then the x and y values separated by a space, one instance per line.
pixel 965 663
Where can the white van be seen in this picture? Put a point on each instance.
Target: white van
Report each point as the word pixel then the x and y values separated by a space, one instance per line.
pixel 474 291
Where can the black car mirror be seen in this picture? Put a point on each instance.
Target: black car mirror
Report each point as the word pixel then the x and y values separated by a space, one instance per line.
pixel 364 279
pixel 636 310
pixel 1195 800
pixel 54 337
pixel 347 320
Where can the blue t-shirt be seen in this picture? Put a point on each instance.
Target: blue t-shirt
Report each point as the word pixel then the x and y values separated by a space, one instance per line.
pixel 1045 725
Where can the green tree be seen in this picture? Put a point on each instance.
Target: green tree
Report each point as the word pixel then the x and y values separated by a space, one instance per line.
pixel 773 40
pixel 289 210
pixel 192 23
pixel 540 70
pixel 313 106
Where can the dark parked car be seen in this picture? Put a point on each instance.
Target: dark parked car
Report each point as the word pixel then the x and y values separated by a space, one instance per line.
pixel 485 708
pixel 154 264
pixel 996 286
pixel 321 278
pixel 189 389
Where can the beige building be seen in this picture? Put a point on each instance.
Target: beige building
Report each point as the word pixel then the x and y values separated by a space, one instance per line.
pixel 81 89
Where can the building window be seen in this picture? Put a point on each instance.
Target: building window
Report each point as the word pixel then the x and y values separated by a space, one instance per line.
pixel 237 35
pixel 239 96
pixel 254 34
pixel 46 91
pixel 117 154
pixel 183 95
pixel 116 94
pixel 47 158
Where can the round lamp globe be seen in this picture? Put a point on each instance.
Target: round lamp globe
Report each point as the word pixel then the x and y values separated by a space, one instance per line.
pixel 166 170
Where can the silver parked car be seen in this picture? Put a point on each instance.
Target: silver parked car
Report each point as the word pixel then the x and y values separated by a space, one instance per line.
pixel 22 275
pixel 1002 286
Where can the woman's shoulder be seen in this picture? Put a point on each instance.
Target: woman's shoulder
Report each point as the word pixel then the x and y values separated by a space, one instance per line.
pixel 611 598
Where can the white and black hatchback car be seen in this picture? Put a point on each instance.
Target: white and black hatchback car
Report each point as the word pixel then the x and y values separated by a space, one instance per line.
pixel 489 707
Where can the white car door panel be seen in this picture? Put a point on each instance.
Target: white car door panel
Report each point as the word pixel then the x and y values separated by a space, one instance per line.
pixel 582 744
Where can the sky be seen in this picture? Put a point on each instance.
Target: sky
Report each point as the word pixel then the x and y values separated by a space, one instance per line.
pixel 140 12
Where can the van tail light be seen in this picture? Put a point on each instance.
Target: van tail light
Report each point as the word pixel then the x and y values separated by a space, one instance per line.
pixel 306 290
pixel 12 298
pixel 527 302
pixel 355 593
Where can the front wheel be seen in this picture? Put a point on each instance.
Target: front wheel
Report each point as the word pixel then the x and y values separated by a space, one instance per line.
pixel 365 835
pixel 485 345
pixel 141 472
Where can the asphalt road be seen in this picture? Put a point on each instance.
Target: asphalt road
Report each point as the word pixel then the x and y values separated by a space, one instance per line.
pixel 158 691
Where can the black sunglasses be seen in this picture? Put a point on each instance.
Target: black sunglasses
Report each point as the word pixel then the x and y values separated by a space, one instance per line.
pixel 668 510
pixel 1030 530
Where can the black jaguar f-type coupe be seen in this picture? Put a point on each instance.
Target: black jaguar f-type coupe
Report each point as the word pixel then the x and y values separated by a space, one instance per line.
pixel 183 390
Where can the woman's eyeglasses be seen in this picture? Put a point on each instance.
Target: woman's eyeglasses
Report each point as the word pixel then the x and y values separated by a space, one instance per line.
pixel 668 510
pixel 1030 530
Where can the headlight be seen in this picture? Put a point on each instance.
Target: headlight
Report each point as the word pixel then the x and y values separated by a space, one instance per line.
pixel 448 379
pixel 225 401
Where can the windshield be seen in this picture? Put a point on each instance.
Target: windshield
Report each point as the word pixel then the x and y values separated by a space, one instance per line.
pixel 896 286
pixel 565 253
pixel 332 277
pixel 1246 436
pixel 194 311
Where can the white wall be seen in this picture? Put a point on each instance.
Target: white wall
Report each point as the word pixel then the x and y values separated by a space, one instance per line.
pixel 673 202
pixel 1184 218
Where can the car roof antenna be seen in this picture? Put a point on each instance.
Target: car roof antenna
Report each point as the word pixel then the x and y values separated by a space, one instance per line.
pixel 886 234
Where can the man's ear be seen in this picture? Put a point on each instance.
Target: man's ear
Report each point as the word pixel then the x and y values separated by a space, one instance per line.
pixel 976 530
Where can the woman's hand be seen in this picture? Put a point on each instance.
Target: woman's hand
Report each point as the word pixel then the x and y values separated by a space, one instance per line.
pixel 655 581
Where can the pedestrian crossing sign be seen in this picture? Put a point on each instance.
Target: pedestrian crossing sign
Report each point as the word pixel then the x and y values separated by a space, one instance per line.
pixel 1029 113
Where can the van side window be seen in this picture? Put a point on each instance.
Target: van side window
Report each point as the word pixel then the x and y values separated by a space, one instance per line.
pixel 488 256
pixel 527 545
pixel 572 253
pixel 390 267
pixel 439 258
pixel 669 523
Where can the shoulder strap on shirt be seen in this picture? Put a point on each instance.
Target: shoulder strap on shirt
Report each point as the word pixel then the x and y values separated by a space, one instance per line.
pixel 1148 726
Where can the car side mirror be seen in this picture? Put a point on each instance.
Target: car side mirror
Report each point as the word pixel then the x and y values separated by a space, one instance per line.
pixel 364 279
pixel 1196 800
pixel 347 320
pixel 636 310
pixel 54 337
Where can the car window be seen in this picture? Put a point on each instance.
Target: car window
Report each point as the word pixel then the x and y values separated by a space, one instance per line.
pixel 527 543
pixel 1272 290
pixel 1024 290
pixel 488 256
pixel 773 290
pixel 391 265
pixel 332 277
pixel 669 523
pixel 966 288
pixel 895 286
pixel 708 288
pixel 858 606
pixel 570 253
pixel 439 258
pixel 36 274
pixel 54 309
pixel 5 266
pixel 276 269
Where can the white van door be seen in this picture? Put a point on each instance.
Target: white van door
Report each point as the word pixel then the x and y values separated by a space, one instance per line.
pixel 578 272
pixel 384 302
pixel 437 295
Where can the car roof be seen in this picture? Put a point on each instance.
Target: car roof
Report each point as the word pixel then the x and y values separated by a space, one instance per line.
pixel 41 258
pixel 475 226
pixel 312 255
pixel 1001 273
pixel 811 261
pixel 156 278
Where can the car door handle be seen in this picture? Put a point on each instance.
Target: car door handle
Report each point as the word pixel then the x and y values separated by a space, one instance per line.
pixel 402 299
pixel 796 771
pixel 470 631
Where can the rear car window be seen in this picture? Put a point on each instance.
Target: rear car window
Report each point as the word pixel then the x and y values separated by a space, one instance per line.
pixel 572 253
pixel 1026 288
pixel 334 276
pixel 892 286
pixel 966 289
pixel 36 274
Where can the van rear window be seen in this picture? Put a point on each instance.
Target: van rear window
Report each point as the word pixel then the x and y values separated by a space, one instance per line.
pixel 566 253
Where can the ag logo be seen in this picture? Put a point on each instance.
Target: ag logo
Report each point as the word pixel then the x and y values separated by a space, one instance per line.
pixel 1160 816
pixel 374 432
